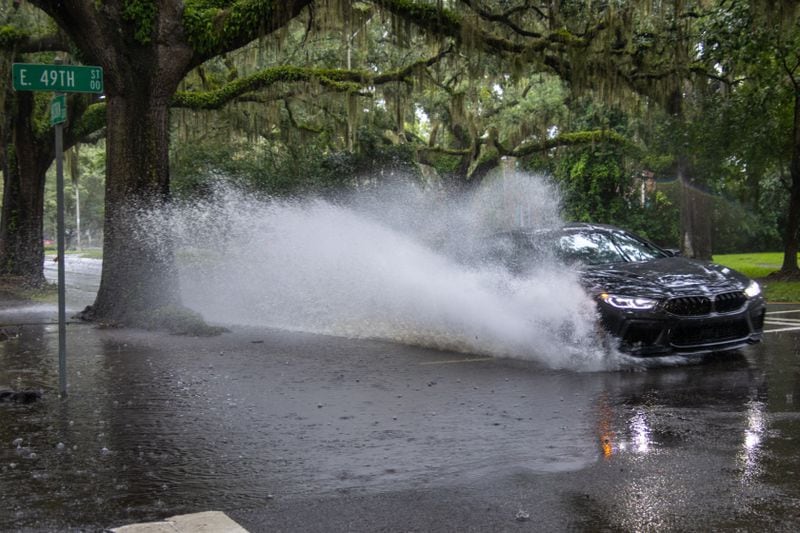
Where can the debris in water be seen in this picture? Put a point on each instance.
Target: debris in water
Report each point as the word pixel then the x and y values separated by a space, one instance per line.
pixel 523 516
pixel 22 396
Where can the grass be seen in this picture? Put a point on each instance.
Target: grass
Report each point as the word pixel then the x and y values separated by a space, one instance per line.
pixel 91 253
pixel 759 266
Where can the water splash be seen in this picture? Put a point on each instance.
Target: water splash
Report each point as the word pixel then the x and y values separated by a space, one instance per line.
pixel 399 263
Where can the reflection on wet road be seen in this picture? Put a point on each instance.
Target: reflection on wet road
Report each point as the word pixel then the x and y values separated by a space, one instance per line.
pixel 158 425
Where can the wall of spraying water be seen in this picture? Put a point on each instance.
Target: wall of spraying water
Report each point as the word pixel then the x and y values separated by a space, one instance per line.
pixel 399 264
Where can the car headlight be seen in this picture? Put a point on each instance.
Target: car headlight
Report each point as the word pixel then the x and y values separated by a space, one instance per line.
pixel 628 302
pixel 752 290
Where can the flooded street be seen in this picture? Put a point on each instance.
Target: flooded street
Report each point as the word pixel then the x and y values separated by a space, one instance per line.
pixel 301 432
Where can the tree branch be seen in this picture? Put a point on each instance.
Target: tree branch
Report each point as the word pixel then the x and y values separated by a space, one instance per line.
pixel 23 42
pixel 336 80
pixel 90 121
pixel 448 23
pixel 567 139
pixel 503 19
pixel 216 27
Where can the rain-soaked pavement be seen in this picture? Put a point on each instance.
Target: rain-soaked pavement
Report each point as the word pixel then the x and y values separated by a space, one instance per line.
pixel 298 432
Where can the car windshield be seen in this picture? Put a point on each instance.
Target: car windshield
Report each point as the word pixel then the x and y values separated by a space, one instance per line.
pixel 519 250
pixel 599 247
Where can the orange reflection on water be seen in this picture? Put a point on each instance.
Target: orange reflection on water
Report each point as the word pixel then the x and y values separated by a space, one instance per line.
pixel 604 426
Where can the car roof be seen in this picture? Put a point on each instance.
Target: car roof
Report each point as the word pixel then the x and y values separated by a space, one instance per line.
pixel 591 226
pixel 569 226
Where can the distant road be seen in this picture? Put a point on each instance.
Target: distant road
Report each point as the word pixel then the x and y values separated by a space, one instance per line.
pixel 82 278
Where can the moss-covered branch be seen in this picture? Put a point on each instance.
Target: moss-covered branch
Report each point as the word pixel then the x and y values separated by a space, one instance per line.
pixel 445 151
pixel 214 27
pixel 333 79
pixel 504 18
pixel 92 120
pixel 406 72
pixel 330 78
pixel 12 37
pixel 446 22
pixel 569 139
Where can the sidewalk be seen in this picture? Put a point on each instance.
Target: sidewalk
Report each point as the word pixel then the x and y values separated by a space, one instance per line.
pixel 207 522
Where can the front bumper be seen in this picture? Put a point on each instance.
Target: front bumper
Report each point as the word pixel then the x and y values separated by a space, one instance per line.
pixel 658 332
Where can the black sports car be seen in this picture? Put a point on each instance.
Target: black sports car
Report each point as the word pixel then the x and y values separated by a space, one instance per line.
pixel 654 301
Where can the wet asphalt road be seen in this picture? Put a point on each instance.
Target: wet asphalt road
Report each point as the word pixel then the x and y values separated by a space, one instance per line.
pixel 297 432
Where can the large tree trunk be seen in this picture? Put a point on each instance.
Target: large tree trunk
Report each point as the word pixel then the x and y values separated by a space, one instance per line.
pixel 21 229
pixel 138 270
pixel 695 213
pixel 695 205
pixel 790 243
pixel 139 275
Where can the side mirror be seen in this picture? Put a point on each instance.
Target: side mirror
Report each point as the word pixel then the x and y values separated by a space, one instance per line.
pixel 672 252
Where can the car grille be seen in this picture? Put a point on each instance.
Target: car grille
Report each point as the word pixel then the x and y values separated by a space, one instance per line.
pixel 692 334
pixel 726 302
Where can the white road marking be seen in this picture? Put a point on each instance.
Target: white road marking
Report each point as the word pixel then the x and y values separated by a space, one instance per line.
pixel 783 322
pixel 795 328
pixel 792 324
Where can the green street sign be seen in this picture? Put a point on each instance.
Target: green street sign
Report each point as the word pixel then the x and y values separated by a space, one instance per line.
pixel 57 78
pixel 58 109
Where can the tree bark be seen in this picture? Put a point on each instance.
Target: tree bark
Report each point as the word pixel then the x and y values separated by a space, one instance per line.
pixel 21 229
pixel 139 274
pixel 695 217
pixel 791 236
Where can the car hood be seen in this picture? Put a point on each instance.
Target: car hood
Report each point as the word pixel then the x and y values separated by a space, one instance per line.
pixel 667 277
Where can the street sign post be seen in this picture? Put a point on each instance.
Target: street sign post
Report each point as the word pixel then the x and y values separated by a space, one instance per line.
pixel 59 79
pixel 61 249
